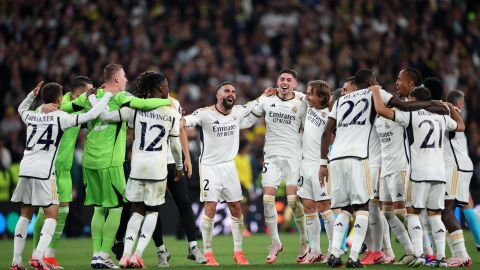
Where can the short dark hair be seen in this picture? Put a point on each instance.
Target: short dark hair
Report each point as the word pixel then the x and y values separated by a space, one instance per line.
pixel 80 81
pixel 421 93
pixel 455 96
pixel 350 79
pixel 146 82
pixel 364 77
pixel 322 89
pixel 336 94
pixel 110 70
pixel 435 85
pixel 414 75
pixel 289 71
pixel 222 85
pixel 50 92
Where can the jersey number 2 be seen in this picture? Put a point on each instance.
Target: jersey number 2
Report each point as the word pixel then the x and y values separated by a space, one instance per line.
pixel 151 147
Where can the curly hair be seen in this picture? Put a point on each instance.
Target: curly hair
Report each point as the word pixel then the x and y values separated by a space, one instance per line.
pixel 146 82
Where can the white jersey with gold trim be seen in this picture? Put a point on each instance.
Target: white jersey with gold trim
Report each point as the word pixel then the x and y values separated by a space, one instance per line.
pixel 456 152
pixel 314 124
pixel 394 158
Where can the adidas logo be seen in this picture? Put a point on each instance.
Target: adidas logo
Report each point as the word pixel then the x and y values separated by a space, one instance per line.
pixel 142 236
pixel 440 231
pixel 19 236
pixel 339 224
pixel 417 228
pixel 357 226
pixel 129 238
pixel 216 122
pixel 273 105
pixel 323 194
pixel 399 195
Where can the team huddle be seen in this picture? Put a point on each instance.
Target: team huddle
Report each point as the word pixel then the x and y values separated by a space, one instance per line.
pixel 390 162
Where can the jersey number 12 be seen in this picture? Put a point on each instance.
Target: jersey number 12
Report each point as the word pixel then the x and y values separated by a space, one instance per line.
pixel 151 147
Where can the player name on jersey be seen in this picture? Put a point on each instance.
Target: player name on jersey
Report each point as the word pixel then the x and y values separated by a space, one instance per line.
pixel 156 116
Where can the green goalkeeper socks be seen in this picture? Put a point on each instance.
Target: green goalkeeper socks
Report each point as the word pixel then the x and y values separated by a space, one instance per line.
pixel 62 217
pixel 98 221
pixel 110 228
pixel 37 228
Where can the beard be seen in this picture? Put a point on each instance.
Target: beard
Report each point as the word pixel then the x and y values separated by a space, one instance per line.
pixel 226 104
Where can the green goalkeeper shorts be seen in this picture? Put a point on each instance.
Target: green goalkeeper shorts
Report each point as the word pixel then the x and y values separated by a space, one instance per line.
pixel 104 187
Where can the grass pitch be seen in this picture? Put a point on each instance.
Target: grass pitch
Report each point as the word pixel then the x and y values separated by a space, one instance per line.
pixel 75 253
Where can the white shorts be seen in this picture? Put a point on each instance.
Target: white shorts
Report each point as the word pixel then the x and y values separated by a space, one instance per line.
pixel 36 192
pixel 277 168
pixel 392 187
pixel 375 176
pixel 220 183
pixel 351 182
pixel 458 184
pixel 152 193
pixel 309 184
pixel 429 195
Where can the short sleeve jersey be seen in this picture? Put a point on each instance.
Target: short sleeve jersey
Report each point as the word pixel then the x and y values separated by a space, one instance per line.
pixel 284 122
pixel 425 133
pixel 390 133
pixel 220 133
pixel 315 121
pixel 456 152
pixel 354 114
pixel 150 147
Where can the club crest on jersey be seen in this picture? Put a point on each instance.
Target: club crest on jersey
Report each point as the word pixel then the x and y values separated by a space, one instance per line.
pixel 324 115
pixel 387 125
pixel 294 109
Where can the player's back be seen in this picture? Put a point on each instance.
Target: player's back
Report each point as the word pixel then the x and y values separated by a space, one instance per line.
pixel 150 147
pixel 43 136
pixel 284 121
pixel 354 114
pixel 425 134
pixel 456 151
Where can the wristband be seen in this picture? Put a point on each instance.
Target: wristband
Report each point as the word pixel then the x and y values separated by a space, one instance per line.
pixel 323 162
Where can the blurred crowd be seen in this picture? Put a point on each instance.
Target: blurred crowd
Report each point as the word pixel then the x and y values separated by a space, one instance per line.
pixel 198 44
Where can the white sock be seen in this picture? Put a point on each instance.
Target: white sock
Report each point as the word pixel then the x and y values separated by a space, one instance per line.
pixel 457 242
pixel 328 221
pixel 427 245
pixel 192 244
pixel 375 226
pixel 299 216
pixel 396 225
pixel 19 239
pixel 50 253
pixel 46 235
pixel 271 217
pixel 438 234
pixel 237 233
pixel 387 245
pixel 207 231
pixel 416 233
pixel 146 233
pixel 313 231
pixel 401 214
pixel 341 223
pixel 161 248
pixel 131 233
pixel 359 231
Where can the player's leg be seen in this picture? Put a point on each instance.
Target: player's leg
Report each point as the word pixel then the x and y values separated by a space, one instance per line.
pixel 20 235
pixel 206 228
pixel 134 224
pixel 48 229
pixel 472 220
pixel 270 182
pixel 313 228
pixel 179 192
pixel 435 205
pixel 417 192
pixel 119 243
pixel 37 227
pixel 237 232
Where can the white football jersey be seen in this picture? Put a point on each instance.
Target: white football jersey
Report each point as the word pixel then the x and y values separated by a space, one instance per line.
pixel 355 114
pixel 150 147
pixel 391 138
pixel 456 152
pixel 284 121
pixel 425 133
pixel 374 151
pixel 44 132
pixel 220 136
pixel 313 128
pixel 175 104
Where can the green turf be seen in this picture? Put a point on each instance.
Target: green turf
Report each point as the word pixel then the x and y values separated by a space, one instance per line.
pixel 76 254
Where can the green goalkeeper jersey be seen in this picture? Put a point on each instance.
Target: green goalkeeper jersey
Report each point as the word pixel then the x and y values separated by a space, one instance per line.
pixel 106 142
pixel 66 148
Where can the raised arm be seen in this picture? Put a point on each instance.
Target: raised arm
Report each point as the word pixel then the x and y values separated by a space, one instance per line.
pixel 27 102
pixel 457 117
pixel 431 105
pixel 379 105
pixel 85 117
pixel 146 104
